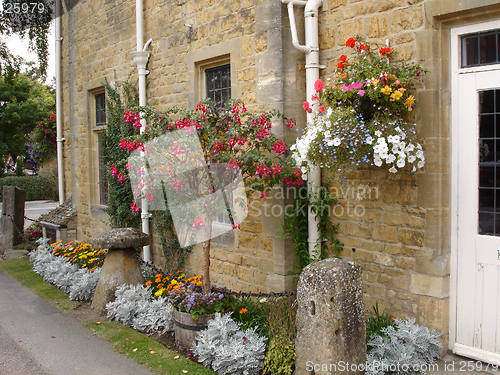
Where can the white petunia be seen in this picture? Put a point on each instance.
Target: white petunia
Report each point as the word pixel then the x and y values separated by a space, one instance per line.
pixel 336 141
pixel 393 170
pixel 369 140
pixel 411 158
pixel 377 161
pixel 390 158
pixel 400 163
pixel 420 164
pixel 378 133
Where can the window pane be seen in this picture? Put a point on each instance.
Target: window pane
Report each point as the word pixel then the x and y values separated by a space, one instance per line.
pixel 486 200
pixel 470 51
pixel 219 84
pixel 487 101
pixel 480 48
pixel 100 109
pixel 486 223
pixel 488 48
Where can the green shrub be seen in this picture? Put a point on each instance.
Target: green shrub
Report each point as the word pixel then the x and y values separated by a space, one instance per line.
pixel 376 322
pixel 36 187
pixel 280 356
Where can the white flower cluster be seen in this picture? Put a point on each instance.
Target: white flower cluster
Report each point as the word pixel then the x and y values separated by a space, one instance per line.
pixel 79 283
pixel 227 349
pixel 340 138
pixel 395 151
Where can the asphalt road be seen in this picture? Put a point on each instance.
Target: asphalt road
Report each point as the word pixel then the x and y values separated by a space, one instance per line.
pixel 37 338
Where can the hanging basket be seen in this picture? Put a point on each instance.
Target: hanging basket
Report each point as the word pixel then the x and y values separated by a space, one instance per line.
pixel 186 328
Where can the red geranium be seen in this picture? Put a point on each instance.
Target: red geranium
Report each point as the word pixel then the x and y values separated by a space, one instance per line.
pixel 351 42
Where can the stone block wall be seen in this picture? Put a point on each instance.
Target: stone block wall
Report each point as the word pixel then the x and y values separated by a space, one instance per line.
pixel 396 226
pixel 188 36
pixel 399 225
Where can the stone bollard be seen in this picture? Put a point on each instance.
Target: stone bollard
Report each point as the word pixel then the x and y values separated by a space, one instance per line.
pixel 330 319
pixel 120 266
pixel 12 219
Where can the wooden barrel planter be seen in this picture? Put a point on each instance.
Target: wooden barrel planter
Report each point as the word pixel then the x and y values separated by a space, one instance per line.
pixel 186 328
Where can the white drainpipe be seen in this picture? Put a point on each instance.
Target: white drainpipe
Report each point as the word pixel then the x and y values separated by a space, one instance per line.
pixel 141 57
pixel 311 49
pixel 59 129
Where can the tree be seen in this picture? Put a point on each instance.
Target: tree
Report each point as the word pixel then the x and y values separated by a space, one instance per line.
pixel 23 103
pixel 26 20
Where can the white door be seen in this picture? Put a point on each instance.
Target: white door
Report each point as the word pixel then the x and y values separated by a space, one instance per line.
pixel 478 214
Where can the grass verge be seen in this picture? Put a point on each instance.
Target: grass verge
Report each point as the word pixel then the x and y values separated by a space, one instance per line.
pixel 135 345
pixel 20 269
pixel 144 350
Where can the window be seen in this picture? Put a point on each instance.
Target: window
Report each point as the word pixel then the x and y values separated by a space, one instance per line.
pixel 480 49
pixel 218 84
pixel 100 109
pixel 99 115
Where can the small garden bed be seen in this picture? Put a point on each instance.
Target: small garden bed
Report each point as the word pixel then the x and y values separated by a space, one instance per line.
pixel 251 335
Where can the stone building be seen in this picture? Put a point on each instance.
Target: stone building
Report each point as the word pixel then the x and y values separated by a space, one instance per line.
pixel 426 243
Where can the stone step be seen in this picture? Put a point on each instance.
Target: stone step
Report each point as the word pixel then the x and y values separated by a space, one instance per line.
pixel 14 254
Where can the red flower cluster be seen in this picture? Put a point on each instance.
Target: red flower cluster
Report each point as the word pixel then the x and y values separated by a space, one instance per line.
pixel 351 42
pixel 132 119
pixel 134 207
pixel 279 147
pixel 131 146
pixel 342 63
pixel 385 51
pixel 296 180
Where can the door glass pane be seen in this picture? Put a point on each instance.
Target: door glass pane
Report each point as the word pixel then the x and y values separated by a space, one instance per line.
pixel 489 164
pixel 480 48
pixel 488 48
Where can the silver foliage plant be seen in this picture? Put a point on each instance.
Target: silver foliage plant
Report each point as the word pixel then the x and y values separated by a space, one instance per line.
pixel 78 283
pixel 227 349
pixel 134 306
pixel 407 349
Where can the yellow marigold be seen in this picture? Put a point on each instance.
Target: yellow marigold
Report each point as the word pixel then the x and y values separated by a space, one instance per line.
pixel 159 292
pixel 243 310
pixel 396 95
pixel 148 283
pixel 410 100
pixel 159 275
pixel 199 283
pixel 56 243
pixel 386 90
pixel 157 281
pixel 174 282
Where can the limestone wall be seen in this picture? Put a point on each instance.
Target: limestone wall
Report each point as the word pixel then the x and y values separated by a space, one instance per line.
pixel 188 37
pixel 402 237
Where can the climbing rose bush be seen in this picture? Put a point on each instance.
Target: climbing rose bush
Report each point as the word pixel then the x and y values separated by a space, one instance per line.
pixel 363 116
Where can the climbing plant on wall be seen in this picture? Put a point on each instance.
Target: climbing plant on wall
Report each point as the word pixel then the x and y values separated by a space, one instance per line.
pixel 121 209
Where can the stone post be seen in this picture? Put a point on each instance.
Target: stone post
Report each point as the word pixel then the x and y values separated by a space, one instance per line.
pixel 120 266
pixel 12 219
pixel 330 319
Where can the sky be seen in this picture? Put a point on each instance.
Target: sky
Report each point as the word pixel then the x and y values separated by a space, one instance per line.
pixel 20 47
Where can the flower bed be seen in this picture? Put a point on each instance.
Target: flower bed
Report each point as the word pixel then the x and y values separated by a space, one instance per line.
pixel 247 335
